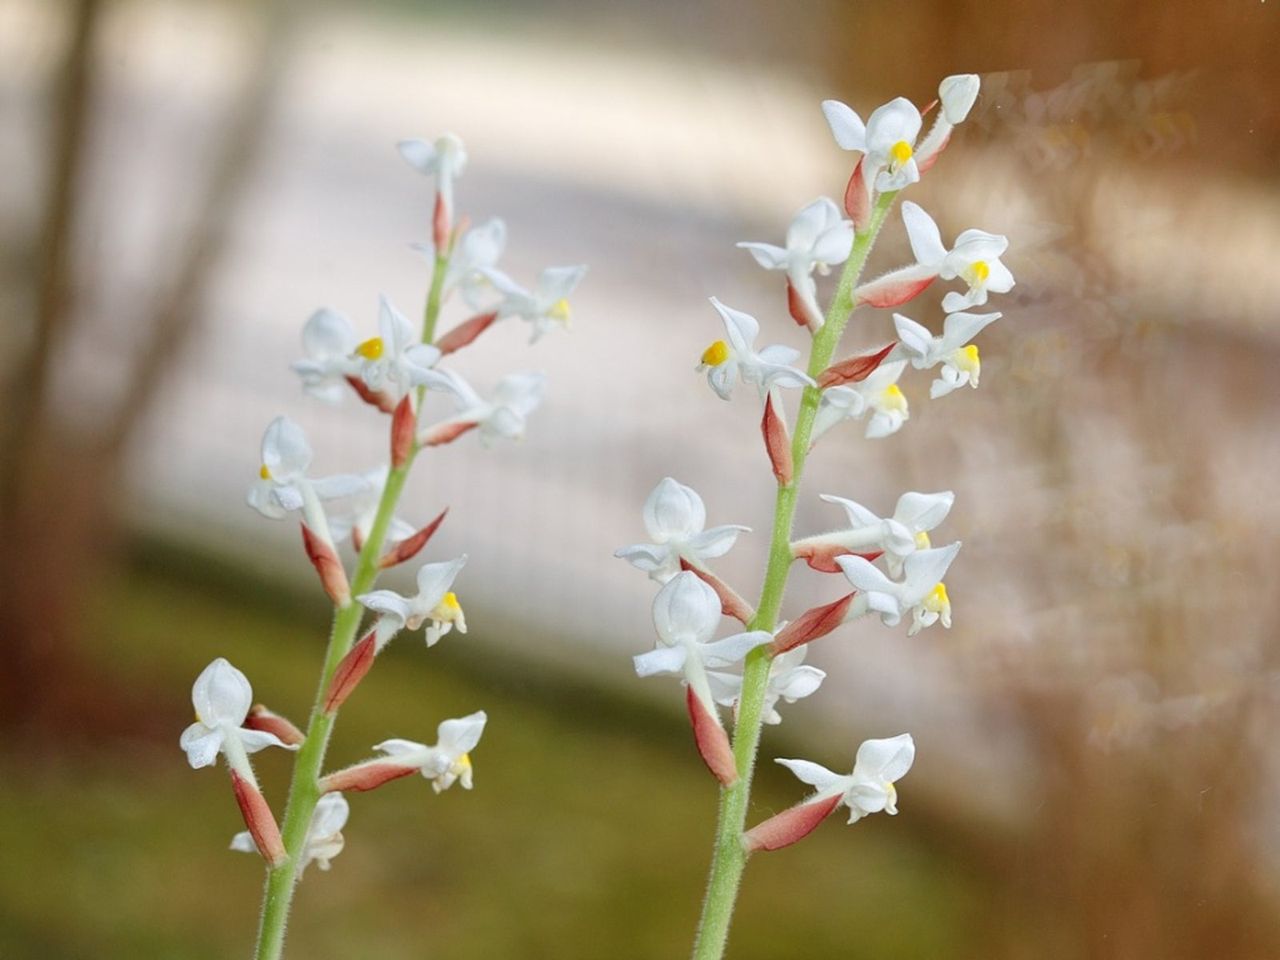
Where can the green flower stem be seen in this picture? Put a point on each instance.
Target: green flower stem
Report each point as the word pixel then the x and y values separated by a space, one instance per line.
pixel 304 789
pixel 729 857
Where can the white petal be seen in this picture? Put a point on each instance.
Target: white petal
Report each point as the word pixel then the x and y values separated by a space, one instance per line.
pixel 767 255
pixel 814 774
pixel 897 120
pixel 924 570
pixel 201 744
pixel 958 93
pixel 914 337
pixel 859 516
pixel 715 542
pixel 285 451
pixel 959 328
pixel 401 748
pixel 388 603
pixel 835 244
pixel 221 695
pixel 809 224
pixel 663 660
pixel 330 816
pixel 798 682
pixel 728 651
pixel 867 577
pixel 846 126
pixel 460 736
pixel 255 740
pixel 742 328
pixel 922 232
pixel 326 334
pixel 921 512
pixel 556 283
pixel 419 154
pixel 242 842
pixel 686 609
pixel 885 760
pixel 673 511
pixel 434 581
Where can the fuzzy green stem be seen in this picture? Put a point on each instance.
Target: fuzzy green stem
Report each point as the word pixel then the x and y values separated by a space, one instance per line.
pixel 729 857
pixel 304 789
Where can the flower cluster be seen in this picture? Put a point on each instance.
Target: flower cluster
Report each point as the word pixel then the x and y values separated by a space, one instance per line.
pixel 888 565
pixel 399 370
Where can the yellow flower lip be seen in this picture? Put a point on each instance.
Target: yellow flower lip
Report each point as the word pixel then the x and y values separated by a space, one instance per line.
pixel 371 349
pixel 937 600
pixel 264 473
pixel 901 152
pixel 560 311
pixel 979 271
pixel 716 354
pixel 922 540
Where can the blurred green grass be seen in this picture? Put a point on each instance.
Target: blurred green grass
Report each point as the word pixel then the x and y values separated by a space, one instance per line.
pixel 587 835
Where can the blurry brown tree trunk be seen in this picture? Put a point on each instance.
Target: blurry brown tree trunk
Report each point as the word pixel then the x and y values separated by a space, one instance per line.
pixel 60 485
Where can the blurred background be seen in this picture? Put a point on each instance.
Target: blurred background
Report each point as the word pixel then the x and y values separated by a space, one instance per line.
pixel 186 181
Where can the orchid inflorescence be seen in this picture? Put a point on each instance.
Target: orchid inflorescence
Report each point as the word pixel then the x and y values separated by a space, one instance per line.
pixel 396 371
pixel 889 562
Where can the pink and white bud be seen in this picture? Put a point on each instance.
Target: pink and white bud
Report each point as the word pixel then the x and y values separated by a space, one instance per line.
pixel 465 333
pixel 375 398
pixel 366 776
pixel 857 198
pixel 812 625
pixel 404 422
pixel 351 671
pixel 790 826
pixel 325 559
pixel 777 442
pixel 446 432
pixel 853 369
pixel 260 718
pixel 822 556
pixel 894 288
pixel 259 819
pixel 409 547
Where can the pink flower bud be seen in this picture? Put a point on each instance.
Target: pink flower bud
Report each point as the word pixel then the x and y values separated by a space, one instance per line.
pixel 365 776
pixel 446 432
pixel 407 548
pixel 465 333
pixel 812 624
pixel 893 289
pixel 403 424
pixel 777 442
pixel 822 556
pixel 260 718
pixel 790 826
pixel 350 672
pixel 857 198
pixel 259 819
pixel 712 741
pixel 854 369
pixel 325 559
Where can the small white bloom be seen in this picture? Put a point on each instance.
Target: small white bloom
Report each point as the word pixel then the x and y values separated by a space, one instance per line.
pixel 329 342
pixel 975 259
pixel 887 140
pixel 957 95
pixel 396 360
pixel 817 238
pixel 435 603
pixel 222 697
pixel 960 360
pixel 445 159
pixel 357 522
pixel 686 613
pixel 790 679
pixel 477 253
pixel 725 361
pixel 674 517
pixel 324 834
pixel 449 761
pixel 870 788
pixel 547 306
pixel 921 591
pixel 898 536
pixel 504 416
pixel 878 395
pixel 283 485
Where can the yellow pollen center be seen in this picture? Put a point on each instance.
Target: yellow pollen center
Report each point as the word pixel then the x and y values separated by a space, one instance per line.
pixel 716 354
pixel 462 763
pixel 892 398
pixel 979 271
pixel 937 600
pixel 264 473
pixel 450 605
pixel 922 541
pixel 560 310
pixel 371 349
pixel 901 152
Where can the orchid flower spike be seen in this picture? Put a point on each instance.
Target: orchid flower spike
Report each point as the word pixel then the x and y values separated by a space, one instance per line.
pixel 222 697
pixel 503 417
pixel 324 834
pixel 975 259
pixel 435 603
pixel 725 361
pixel 445 159
pixel 921 592
pixel 686 613
pixel 547 306
pixel 329 341
pixel 870 788
pixel 961 363
pixel 817 238
pixel 878 395
pixel 283 485
pixel 675 518
pixel 790 679
pixel 897 537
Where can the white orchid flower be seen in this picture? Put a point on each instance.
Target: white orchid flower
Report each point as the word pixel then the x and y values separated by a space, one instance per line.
pixel 956 95
pixel 726 361
pixel 222 697
pixel 324 839
pixel 975 259
pixel 887 140
pixel 675 518
pixel 434 604
pixel 396 361
pixel 445 159
pixel 477 252
pixel 898 537
pixel 878 395
pixel 357 521
pixel 283 485
pixel 544 308
pixel 503 417
pixel 790 679
pixel 449 761
pixel 921 592
pixel 961 362
pixel 818 237
pixel 686 613
pixel 329 341
pixel 870 788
